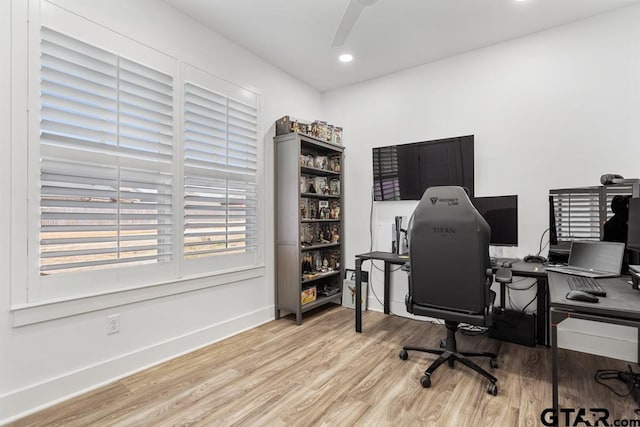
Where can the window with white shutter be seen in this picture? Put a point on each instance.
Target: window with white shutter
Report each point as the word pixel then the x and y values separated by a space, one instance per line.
pixel 580 213
pixel 142 170
pixel 106 150
pixel 220 169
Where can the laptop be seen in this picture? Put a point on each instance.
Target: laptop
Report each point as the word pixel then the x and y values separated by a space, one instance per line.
pixel 593 259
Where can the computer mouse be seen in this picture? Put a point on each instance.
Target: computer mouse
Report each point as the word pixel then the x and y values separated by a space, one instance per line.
pixel 506 264
pixel 581 296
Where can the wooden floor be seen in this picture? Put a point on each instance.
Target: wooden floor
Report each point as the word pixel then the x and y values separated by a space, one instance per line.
pixel 323 373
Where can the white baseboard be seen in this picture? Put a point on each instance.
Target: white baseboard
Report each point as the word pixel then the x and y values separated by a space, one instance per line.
pixel 22 402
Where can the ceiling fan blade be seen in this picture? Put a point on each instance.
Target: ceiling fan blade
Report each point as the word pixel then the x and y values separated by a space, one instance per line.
pixel 351 14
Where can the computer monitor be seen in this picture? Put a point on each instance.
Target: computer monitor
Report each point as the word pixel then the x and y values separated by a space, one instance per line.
pixel 633 232
pixel 501 213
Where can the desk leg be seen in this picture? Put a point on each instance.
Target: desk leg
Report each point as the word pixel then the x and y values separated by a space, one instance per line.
pixel 554 365
pixel 556 318
pixel 638 346
pixel 542 327
pixel 358 309
pixel 387 286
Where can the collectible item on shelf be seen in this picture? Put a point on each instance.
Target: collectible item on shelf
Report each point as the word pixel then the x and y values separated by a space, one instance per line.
pixel 303 184
pixel 304 214
pixel 334 210
pixel 325 234
pixel 334 260
pixel 308 295
pixel 323 209
pixel 321 129
pixel 306 264
pixel 329 134
pixel 334 187
pixel 334 164
pixel 335 234
pixel 306 160
pixel 284 125
pixel 311 185
pixel 313 129
pixel 308 234
pixel 321 185
pixel 312 208
pixel 321 162
pixel 336 138
pixel 317 261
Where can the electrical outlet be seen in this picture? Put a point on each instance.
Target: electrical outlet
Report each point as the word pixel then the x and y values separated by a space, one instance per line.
pixel 113 324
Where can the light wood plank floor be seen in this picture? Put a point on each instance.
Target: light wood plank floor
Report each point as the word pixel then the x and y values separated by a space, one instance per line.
pixel 323 373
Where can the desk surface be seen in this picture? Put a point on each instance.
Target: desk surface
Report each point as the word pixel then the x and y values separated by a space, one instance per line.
pixel 621 301
pixel 385 256
pixel 531 269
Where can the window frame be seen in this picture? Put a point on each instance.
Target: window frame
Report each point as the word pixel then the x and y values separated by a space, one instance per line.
pixel 29 302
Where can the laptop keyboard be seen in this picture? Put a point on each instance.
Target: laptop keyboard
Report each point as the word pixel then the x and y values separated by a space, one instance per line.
pixel 586 284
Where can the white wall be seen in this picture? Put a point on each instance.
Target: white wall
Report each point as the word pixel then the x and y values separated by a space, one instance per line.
pixel 553 110
pixel 49 361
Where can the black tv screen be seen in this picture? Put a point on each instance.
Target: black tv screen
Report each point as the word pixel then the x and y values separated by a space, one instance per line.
pixel 501 213
pixel 405 171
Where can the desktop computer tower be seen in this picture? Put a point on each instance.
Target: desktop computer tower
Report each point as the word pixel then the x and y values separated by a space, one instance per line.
pixel 515 327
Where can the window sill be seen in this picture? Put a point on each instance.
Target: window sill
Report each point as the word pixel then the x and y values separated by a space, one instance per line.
pixel 28 314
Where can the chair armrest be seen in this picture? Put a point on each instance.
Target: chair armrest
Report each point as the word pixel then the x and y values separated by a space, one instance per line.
pixel 503 275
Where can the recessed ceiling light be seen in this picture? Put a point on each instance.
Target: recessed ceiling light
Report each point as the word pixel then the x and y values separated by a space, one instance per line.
pixel 345 57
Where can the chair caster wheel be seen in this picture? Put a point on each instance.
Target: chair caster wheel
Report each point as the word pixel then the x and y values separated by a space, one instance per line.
pixel 425 381
pixel 492 389
pixel 494 363
pixel 404 355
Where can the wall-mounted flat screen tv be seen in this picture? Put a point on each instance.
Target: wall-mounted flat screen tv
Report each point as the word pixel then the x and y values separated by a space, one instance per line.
pixel 405 171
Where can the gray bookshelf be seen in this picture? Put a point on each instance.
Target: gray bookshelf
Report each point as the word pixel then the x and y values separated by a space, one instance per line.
pixel 308 223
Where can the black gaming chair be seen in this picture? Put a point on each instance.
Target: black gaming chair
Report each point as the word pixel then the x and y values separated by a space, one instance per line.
pixel 450 273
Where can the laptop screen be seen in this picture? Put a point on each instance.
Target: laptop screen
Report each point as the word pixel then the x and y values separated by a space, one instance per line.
pixel 597 256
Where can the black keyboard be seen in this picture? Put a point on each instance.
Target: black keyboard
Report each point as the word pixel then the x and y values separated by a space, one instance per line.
pixel 586 284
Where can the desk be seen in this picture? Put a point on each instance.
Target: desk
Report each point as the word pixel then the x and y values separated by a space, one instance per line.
pixel 621 306
pixel 389 260
pixel 519 268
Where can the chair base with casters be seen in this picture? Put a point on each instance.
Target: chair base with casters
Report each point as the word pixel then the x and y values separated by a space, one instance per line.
pixel 449 353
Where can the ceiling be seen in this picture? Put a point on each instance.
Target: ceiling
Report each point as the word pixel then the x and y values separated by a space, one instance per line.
pixel 388 36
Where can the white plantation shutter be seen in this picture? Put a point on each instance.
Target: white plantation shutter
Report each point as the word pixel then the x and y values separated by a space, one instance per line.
pixel 220 167
pixel 106 149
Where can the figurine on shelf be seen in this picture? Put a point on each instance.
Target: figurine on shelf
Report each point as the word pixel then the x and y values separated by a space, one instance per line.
pixel 310 185
pixel 325 265
pixel 306 264
pixel 317 261
pixel 325 235
pixel 335 210
pixel 335 234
